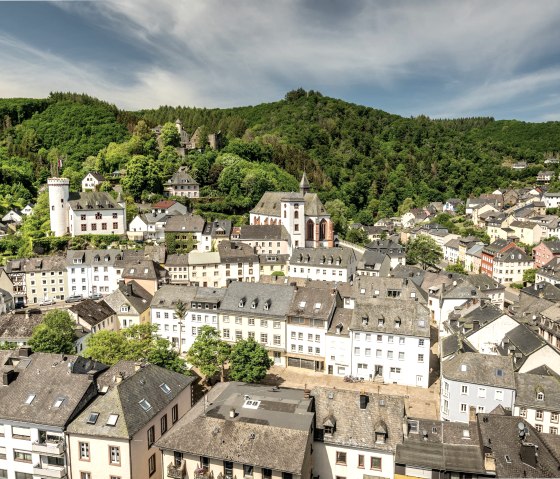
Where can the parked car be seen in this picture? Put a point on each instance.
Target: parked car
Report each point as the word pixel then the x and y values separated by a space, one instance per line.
pixel 74 299
pixel 46 302
pixel 95 296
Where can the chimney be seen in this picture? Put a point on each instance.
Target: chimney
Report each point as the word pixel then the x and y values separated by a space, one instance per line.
pixel 25 352
pixel 91 374
pixel 8 377
pixel 137 366
pixel 405 427
pixel 472 414
pixel 364 399
pixel 232 413
pixel 306 393
pixel 119 378
pixel 129 289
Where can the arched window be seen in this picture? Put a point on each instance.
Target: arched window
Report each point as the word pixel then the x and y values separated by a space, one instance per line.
pixel 309 230
pixel 296 214
pixel 322 230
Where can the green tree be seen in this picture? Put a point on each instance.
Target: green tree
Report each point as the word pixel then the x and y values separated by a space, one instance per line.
pixel 142 175
pixel 339 215
pixel 423 250
pixel 249 361
pixel 56 334
pixel 137 343
pixel 357 236
pixel 456 268
pixel 209 352
pixel 169 135
pixel 529 275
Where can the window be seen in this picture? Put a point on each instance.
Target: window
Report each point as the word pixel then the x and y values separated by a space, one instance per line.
pixel 226 334
pixel 277 340
pixel 174 414
pixel 251 321
pixel 539 414
pixel 463 407
pixel 420 358
pixel 2 453
pixel 464 390
pixel 277 325
pixel 390 339
pixel 341 458
pixel 114 455
pixel 356 351
pixel 499 395
pixel 375 463
pixel 554 417
pixel 523 412
pixel 420 342
pixel 151 436
pixel 553 430
pixel 389 354
pixel 112 421
pixel 146 406
pixel 84 451
pixel 238 335
pixel 379 338
pixel 264 338
pixel 401 356
pixel 540 396
pixel 360 461
pixel 163 424
pixel 539 427
pixel 481 392
pixel 152 464
pixel 22 456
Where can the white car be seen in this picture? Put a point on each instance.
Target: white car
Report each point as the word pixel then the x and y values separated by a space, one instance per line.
pixel 46 302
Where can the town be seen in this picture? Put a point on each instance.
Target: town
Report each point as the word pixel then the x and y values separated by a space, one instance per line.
pixel 420 351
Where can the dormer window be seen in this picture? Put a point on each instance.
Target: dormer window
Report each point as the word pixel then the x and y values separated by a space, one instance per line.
pixel 254 303
pixel 381 322
pixel 540 396
pixel 267 305
pixel 242 302
pixel 365 320
pixel 397 323
pixel 124 308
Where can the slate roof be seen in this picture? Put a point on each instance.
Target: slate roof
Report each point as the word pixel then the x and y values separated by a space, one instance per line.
pixel 342 318
pixel 269 204
pixel 101 257
pixel 181 177
pixel 529 384
pixel 185 224
pixel 170 294
pixel 480 369
pixel 524 339
pixel 501 435
pixel 544 290
pixel 143 270
pixel 17 326
pixel 132 294
pixel 496 246
pixel 218 228
pixel 93 200
pixel 305 302
pixel 124 399
pixel 277 298
pixel 233 252
pixel 391 316
pixel 92 312
pixel 483 282
pixel 46 376
pixel 275 435
pixel 264 233
pixel 97 176
pixel 177 260
pixel 323 257
pixel 379 287
pixel 375 261
pixel 355 427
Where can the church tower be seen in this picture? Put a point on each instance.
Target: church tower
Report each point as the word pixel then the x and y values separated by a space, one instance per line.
pixel 59 193
pixel 304 185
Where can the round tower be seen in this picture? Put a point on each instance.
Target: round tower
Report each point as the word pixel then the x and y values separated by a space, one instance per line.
pixel 59 192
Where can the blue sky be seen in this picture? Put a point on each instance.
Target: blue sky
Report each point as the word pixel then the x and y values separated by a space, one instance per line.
pixel 439 58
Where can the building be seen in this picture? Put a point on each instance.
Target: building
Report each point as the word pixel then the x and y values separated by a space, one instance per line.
pixel 510 265
pixel 93 271
pixel 265 239
pixel 46 278
pixel 243 430
pixel 489 252
pixel 147 227
pixel 476 380
pixel 17 327
pixel 551 200
pixel 41 394
pixel 356 434
pixel 214 233
pixel 302 214
pixel 308 320
pixel 257 311
pixel 538 400
pixel 240 261
pixel 183 233
pixel 323 264
pixel 83 213
pixel 145 272
pixel 92 181
pixel 94 316
pixel 131 302
pixel 115 435
pixel 182 184
pixel 545 251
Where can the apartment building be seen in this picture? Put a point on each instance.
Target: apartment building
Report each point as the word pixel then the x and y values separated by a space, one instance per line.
pixel 93 271
pixel 131 302
pixel 323 264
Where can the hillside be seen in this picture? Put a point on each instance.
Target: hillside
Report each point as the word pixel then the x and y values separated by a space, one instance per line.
pixel 369 159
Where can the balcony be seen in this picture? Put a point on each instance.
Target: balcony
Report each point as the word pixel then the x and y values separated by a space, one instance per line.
pixel 45 470
pixel 203 473
pixel 177 471
pixel 51 448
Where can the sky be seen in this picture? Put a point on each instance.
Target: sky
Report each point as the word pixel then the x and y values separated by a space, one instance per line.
pixel 443 59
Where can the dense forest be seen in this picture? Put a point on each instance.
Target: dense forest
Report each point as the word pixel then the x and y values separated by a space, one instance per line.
pixel 360 160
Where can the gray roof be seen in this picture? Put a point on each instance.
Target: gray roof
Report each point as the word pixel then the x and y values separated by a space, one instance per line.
pixel 93 200
pixel 92 312
pixel 46 376
pixel 270 202
pixel 185 224
pixel 275 435
pixel 124 400
pixel 314 303
pixel 483 282
pixel 96 175
pixel 524 339
pixel 342 320
pixel 475 368
pixel 143 270
pixel 103 257
pixel 177 260
pixel 337 257
pixel 379 287
pixel 263 233
pixel 528 385
pixel 19 326
pixel 501 435
pixel 233 252
pixel 170 294
pixel 131 294
pixel 355 427
pixel 375 261
pixel 277 298
pixel 181 177
pixel 391 316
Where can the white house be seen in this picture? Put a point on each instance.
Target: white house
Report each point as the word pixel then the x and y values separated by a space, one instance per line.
pixel 92 181
pixel 93 271
pixel 475 380
pixel 537 401
pixel 323 264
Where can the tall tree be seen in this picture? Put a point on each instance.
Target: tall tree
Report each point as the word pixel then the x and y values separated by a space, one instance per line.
pixel 423 250
pixel 56 334
pixel 209 352
pixel 249 361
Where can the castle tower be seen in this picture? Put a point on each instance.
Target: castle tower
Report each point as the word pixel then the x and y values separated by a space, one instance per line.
pixel 59 192
pixel 179 126
pixel 304 184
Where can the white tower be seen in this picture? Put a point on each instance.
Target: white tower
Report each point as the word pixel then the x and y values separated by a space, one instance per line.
pixel 59 192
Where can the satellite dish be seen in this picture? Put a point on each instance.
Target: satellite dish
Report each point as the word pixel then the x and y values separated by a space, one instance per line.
pixel 521 426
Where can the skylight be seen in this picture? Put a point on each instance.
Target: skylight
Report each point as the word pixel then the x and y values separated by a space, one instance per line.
pixel 146 406
pixel 112 421
pixel 250 404
pixel 58 402
pixel 92 419
pixel 29 399
pixel 165 388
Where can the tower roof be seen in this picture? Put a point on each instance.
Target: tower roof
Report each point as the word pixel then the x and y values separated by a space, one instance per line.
pixel 304 183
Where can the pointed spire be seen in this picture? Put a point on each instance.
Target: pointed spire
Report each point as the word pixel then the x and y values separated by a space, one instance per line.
pixel 304 184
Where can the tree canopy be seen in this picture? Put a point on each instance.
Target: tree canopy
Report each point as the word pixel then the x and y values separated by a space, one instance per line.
pixel 209 352
pixel 248 361
pixel 56 334
pixel 423 250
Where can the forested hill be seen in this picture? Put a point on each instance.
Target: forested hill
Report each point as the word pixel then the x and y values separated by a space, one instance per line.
pixel 369 159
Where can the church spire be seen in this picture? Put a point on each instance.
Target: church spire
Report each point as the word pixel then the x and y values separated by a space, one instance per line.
pixel 304 184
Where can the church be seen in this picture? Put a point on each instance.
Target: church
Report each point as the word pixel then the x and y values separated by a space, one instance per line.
pixel 88 212
pixel 301 213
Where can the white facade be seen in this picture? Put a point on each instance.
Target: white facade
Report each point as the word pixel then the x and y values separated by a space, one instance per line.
pixel 93 271
pixel 95 221
pixel 551 200
pixel 59 192
pixel 338 357
pixel 90 182
pixel 486 339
